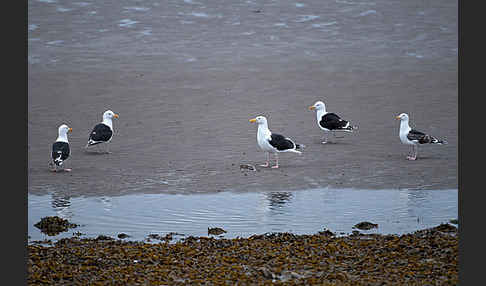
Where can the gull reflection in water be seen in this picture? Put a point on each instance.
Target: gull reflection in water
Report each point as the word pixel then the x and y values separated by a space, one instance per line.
pixel 61 204
pixel 107 204
pixel 278 200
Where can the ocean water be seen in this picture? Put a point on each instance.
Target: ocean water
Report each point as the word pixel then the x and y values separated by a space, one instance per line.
pixel 245 214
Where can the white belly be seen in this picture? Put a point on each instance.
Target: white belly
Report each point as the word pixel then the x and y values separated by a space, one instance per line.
pixel 262 140
pixel 404 139
pixel 263 143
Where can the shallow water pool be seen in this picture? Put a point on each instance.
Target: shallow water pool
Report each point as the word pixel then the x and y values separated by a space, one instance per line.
pixel 245 214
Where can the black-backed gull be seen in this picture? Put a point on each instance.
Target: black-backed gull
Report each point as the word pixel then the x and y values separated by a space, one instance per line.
pixel 272 142
pixel 414 137
pixel 103 131
pixel 330 122
pixel 60 149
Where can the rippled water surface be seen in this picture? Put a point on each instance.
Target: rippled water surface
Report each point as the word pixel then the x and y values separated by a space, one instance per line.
pixel 245 214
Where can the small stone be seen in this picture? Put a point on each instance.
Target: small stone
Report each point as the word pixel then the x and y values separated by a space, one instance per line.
pixel 365 225
pixel 123 235
pixel 154 236
pixel 247 167
pixel 216 231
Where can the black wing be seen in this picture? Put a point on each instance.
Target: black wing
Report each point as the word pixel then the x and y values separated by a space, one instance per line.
pixel 60 152
pixel 421 137
pixel 332 121
pixel 280 142
pixel 101 133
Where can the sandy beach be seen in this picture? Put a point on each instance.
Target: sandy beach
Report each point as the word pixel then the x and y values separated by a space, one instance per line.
pixel 185 78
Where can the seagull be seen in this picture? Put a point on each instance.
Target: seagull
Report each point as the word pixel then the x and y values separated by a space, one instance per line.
pixel 103 131
pixel 413 137
pixel 60 149
pixel 328 121
pixel 272 142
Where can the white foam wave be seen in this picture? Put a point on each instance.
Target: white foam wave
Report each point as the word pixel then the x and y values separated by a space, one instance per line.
pixel 33 59
pixel 56 42
pixel 307 18
pixel 368 12
pixel 415 55
pixel 191 2
pixel 352 3
pixel 139 9
pixel 318 25
pixel 200 14
pixel 82 4
pixel 146 32
pixel 62 9
pixel 127 23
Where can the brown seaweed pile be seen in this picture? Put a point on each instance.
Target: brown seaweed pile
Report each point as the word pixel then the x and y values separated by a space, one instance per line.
pixel 53 225
pixel 426 257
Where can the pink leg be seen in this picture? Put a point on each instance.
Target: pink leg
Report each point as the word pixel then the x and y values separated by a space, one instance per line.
pixel 268 161
pixel 54 168
pixel 325 138
pixel 414 153
pixel 276 161
pixel 107 151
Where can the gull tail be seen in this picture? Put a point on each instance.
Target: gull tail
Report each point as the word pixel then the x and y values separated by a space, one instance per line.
pixel 299 148
pixel 350 127
pixel 58 161
pixel 91 143
pixel 438 141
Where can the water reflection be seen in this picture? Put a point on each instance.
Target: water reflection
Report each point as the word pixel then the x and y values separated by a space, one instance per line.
pixel 107 204
pixel 61 204
pixel 278 199
pixel 418 200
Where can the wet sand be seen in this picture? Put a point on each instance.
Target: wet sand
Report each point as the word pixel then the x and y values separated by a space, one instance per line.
pixel 185 78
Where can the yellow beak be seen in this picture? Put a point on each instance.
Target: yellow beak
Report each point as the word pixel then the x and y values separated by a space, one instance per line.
pixel 312 107
pixel 253 120
pixel 116 115
pixel 397 117
pixel 70 129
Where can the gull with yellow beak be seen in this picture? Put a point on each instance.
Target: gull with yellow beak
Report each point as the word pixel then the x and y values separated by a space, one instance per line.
pixel 103 131
pixel 330 122
pixel 413 137
pixel 272 142
pixel 60 149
